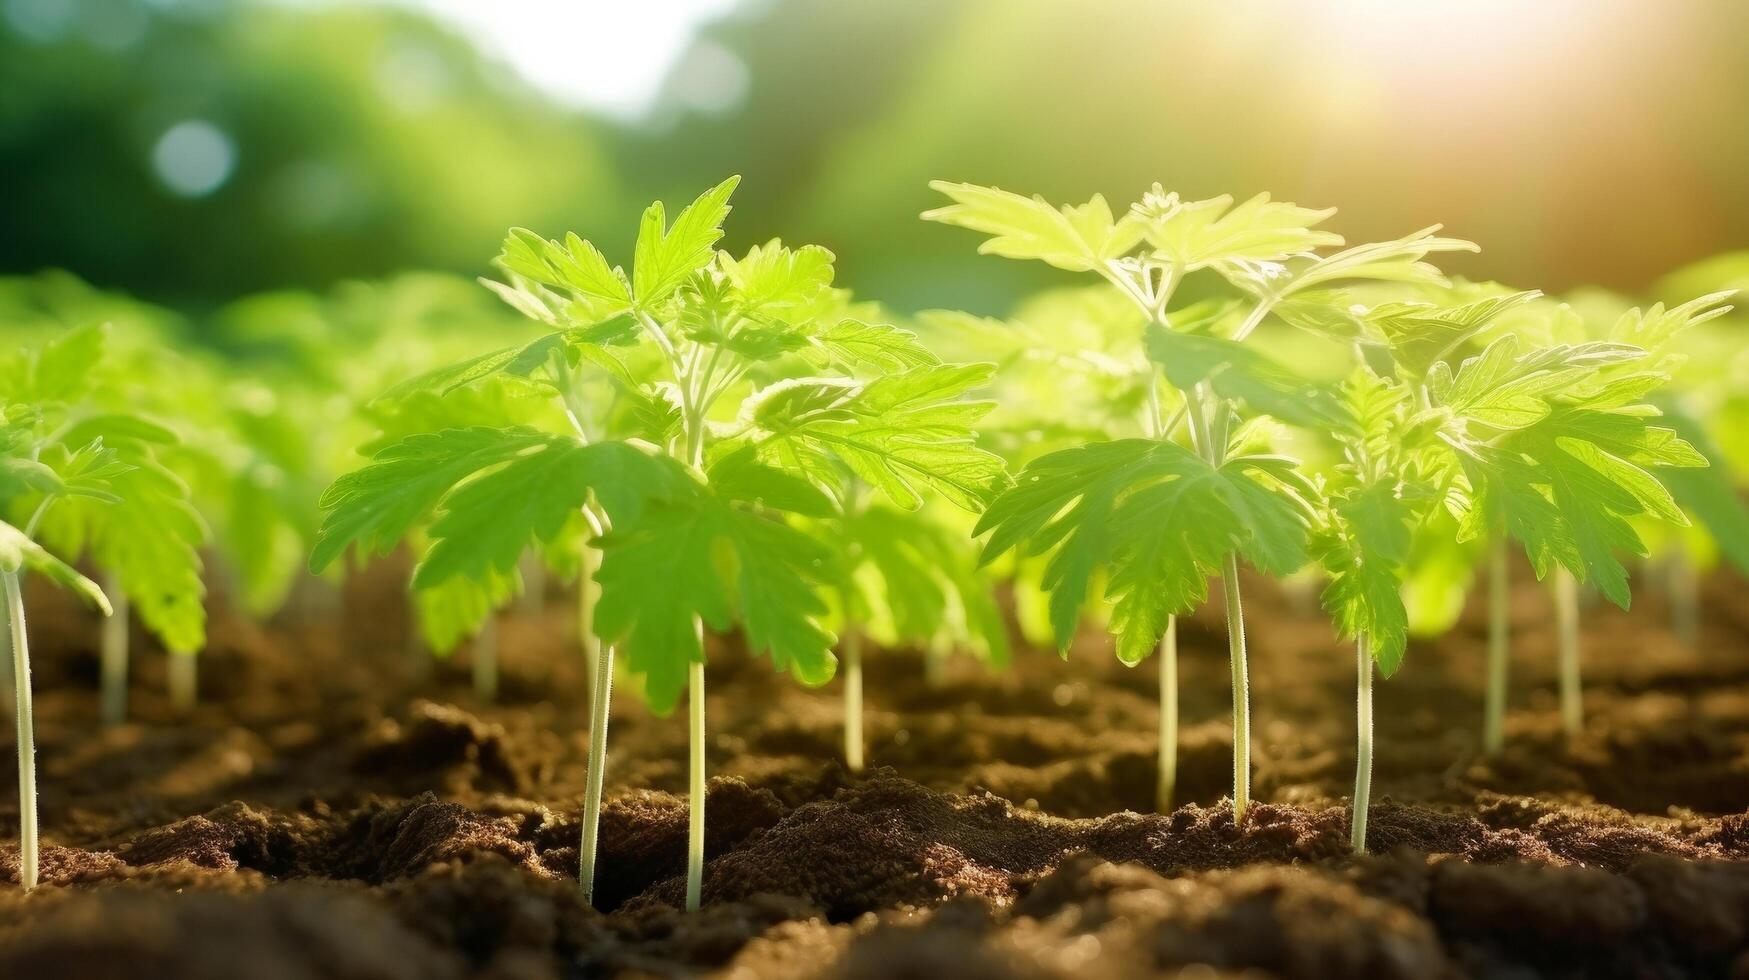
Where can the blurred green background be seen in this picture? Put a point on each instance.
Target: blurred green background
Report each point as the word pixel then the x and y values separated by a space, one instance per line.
pixel 190 152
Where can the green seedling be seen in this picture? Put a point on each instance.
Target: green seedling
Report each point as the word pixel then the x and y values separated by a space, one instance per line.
pixel 691 515
pixel 1155 518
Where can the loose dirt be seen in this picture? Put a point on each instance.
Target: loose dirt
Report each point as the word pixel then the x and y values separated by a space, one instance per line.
pixel 340 807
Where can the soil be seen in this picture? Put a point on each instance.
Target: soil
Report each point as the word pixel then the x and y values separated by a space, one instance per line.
pixel 339 806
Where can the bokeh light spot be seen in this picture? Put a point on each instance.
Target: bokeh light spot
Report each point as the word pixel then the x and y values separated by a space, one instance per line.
pixel 193 158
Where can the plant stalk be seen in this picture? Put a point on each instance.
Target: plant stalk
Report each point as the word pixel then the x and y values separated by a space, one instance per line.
pixel 485 661
pixel 1167 786
pixel 113 657
pixel 1499 641
pixel 853 743
pixel 600 700
pixel 183 677
pixel 1363 745
pixel 1567 635
pixel 5 659
pixel 1213 450
pixel 28 844
pixel 1684 585
pixel 695 798
pixel 533 600
pixel 1241 689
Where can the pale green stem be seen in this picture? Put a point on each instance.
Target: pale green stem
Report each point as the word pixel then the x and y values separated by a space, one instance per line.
pixel 5 659
pixel 1213 450
pixel 853 701
pixel 1684 597
pixel 1567 635
pixel 1167 786
pixel 485 661
pixel 113 658
pixel 1363 749
pixel 1499 641
pixel 183 680
pixel 534 584
pixel 600 699
pixel 27 825
pixel 695 800
pixel 1241 689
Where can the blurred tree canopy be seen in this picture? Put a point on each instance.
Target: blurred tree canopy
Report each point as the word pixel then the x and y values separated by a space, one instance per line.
pixel 364 140
pixel 1576 140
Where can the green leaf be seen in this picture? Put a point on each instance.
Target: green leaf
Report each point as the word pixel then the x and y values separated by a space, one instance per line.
pixel 1365 554
pixel 1153 515
pixel 576 265
pixel 1708 492
pixel 856 344
pixel 1421 334
pixel 145 531
pixel 1194 234
pixel 704 558
pixel 1502 389
pixel 1657 326
pixel 900 433
pixel 1075 238
pixel 1237 372
pixel 18 551
pixel 375 506
pixel 739 475
pixel 666 257
pixel 523 360
pixel 61 369
pixel 457 608
pixel 487 522
pixel 1399 260
pixel 774 278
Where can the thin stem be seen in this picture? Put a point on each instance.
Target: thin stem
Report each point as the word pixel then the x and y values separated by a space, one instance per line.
pixel 1499 640
pixel 1167 786
pixel 183 680
pixel 1363 748
pixel 695 799
pixel 1567 636
pixel 485 661
pixel 1213 450
pixel 27 821
pixel 1241 689
pixel 853 701
pixel 1684 596
pixel 113 658
pixel 600 700
pixel 534 584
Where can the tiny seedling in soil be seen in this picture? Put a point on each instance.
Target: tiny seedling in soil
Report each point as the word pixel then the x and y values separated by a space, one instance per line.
pixel 691 512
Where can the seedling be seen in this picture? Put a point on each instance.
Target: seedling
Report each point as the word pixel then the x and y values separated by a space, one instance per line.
pixel 903 577
pixel 25 480
pixel 1156 518
pixel 690 515
pixel 142 531
pixel 1573 482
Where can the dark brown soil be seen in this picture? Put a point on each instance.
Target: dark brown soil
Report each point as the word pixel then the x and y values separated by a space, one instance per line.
pixel 337 808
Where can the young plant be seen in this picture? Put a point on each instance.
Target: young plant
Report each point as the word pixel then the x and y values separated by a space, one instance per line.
pixel 1554 445
pixel 25 477
pixel 142 532
pixel 690 519
pixel 1156 518
pixel 903 577
pixel 1372 503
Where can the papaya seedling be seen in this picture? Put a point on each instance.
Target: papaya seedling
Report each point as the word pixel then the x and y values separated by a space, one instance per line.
pixel 1550 443
pixel 143 533
pixel 689 516
pixel 25 478
pixel 1157 518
